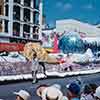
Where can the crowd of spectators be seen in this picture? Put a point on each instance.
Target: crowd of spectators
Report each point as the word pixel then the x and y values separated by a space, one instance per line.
pixel 74 91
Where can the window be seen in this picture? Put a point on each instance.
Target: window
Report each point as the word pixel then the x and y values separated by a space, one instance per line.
pixel 35 32
pixel 26 28
pixel 6 10
pixel 1 6
pixel 36 4
pixel 16 29
pixel 16 13
pixel 36 18
pixel 6 26
pixel 26 15
pixel 6 0
pixel 35 29
pixel 27 3
pixel 17 1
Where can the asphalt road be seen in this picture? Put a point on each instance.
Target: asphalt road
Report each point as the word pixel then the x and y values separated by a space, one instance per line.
pixel 6 91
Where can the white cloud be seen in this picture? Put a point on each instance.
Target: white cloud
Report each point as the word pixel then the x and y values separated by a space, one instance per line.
pixel 67 6
pixel 51 24
pixel 63 6
pixel 88 7
pixel 59 4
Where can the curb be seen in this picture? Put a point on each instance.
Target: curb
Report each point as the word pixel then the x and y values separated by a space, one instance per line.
pixel 49 74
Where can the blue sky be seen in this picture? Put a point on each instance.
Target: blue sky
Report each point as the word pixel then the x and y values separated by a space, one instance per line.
pixel 83 10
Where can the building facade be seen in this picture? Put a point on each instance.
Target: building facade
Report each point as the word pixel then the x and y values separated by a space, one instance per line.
pixel 68 25
pixel 20 20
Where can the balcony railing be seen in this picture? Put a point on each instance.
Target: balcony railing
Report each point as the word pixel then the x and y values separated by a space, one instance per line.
pixel 16 34
pixel 35 36
pixel 27 4
pixel 17 1
pixel 26 35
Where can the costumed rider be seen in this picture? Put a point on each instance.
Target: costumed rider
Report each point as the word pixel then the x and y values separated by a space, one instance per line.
pixel 35 66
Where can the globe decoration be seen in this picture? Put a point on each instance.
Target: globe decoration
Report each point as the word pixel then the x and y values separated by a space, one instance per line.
pixel 71 43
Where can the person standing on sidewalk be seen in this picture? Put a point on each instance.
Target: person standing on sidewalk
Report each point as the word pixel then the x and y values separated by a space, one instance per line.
pixel 35 67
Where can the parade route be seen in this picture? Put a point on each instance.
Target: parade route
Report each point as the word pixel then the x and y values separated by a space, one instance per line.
pixel 6 91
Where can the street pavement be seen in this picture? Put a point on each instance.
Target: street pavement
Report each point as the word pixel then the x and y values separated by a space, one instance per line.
pixel 6 91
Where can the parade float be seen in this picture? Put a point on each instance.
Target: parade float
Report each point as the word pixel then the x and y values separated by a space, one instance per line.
pixel 42 55
pixel 69 56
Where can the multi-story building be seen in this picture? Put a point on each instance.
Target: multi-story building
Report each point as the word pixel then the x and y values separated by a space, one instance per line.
pixel 20 20
pixel 78 26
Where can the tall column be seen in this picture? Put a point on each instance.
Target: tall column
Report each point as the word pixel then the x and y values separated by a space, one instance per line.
pixel 31 20
pixel 3 25
pixel 21 18
pixel 10 14
pixel 3 21
pixel 31 32
pixel 4 8
pixel 31 28
pixel 32 3
pixel 22 2
pixel 40 19
pixel 21 30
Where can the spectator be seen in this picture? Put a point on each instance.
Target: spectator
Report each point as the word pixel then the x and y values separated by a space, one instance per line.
pixel 22 95
pixel 73 91
pixel 87 93
pixel 97 93
pixel 58 86
pixel 93 87
pixel 40 89
pixel 52 93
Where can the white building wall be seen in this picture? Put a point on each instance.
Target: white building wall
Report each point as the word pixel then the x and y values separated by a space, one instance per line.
pixel 73 25
pixel 21 21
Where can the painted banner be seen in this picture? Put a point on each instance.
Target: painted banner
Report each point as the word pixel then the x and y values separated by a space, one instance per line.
pixel 11 47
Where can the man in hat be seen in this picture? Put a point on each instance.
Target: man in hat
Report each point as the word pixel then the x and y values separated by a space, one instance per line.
pixel 42 87
pixel 22 95
pixel 53 93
